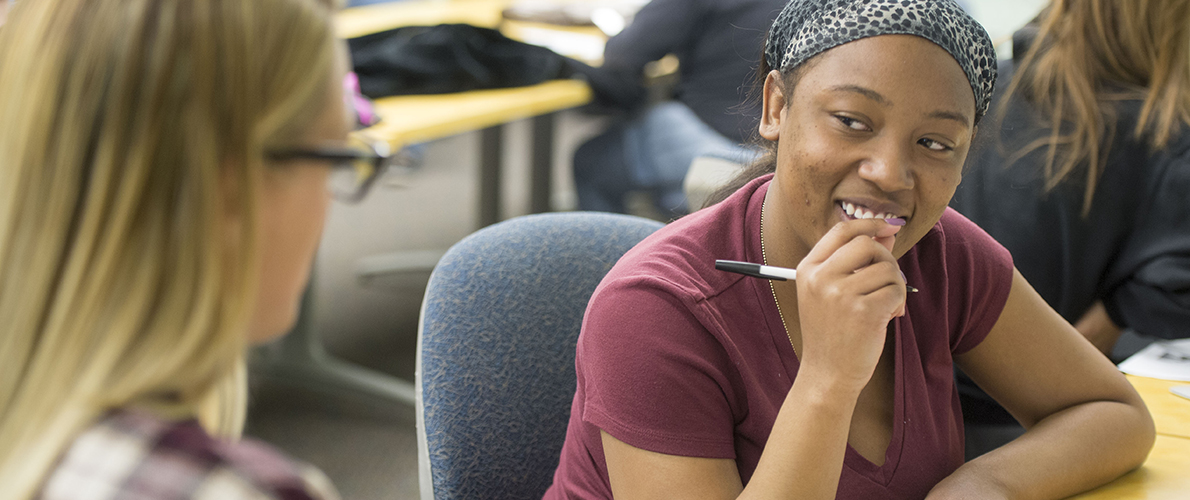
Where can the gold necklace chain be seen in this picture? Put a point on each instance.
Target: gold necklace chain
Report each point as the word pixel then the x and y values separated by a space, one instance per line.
pixel 764 259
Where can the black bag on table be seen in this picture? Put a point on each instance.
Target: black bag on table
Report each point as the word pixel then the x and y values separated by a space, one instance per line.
pixel 451 58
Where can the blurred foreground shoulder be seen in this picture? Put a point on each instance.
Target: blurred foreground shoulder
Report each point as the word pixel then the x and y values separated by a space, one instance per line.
pixel 133 454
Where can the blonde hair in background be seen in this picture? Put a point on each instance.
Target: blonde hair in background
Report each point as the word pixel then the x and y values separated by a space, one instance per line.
pixel 1142 45
pixel 131 159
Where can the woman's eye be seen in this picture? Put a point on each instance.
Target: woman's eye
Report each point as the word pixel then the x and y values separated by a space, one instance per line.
pixel 852 123
pixel 933 145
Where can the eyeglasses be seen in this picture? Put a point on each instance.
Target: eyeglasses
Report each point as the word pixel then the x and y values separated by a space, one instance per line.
pixel 354 167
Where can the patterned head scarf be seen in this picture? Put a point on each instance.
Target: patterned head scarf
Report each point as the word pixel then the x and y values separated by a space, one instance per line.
pixel 807 28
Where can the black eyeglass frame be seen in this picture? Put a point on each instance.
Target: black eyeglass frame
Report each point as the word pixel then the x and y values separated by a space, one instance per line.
pixel 336 155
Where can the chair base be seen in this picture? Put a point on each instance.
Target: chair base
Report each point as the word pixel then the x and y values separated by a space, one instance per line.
pixel 300 359
pixel 325 374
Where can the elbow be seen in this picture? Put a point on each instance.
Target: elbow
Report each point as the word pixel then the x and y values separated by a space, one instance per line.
pixel 1146 436
pixel 1124 430
pixel 1139 434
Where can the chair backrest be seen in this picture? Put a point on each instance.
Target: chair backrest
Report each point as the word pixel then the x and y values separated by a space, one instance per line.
pixel 495 360
pixel 707 175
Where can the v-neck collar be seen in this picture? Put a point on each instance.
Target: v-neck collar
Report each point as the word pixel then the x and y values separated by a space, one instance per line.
pixel 883 474
pixel 852 459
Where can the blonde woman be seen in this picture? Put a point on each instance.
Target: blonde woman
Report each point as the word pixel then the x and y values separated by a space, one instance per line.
pixel 1084 174
pixel 163 183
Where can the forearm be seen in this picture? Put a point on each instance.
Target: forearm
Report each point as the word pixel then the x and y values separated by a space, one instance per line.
pixel 803 457
pixel 1066 453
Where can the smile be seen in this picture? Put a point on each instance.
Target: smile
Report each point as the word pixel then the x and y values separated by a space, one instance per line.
pixel 854 211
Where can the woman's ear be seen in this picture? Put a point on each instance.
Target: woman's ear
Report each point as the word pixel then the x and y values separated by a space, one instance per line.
pixel 773 110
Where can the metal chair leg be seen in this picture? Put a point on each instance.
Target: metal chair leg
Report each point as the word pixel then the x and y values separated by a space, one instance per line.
pixel 300 359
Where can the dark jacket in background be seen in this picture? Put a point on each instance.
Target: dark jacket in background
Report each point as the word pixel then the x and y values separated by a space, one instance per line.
pixel 718 43
pixel 1132 251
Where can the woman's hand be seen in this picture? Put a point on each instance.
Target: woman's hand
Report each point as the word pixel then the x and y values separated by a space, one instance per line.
pixel 849 287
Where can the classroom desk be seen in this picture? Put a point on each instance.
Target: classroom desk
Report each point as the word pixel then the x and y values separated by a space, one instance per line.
pixel 1164 476
pixel 1166 473
pixel 1171 413
pixel 412 119
pixel 421 118
pixel 360 21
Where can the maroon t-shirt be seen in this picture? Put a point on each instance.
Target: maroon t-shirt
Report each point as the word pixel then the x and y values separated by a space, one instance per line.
pixel 676 357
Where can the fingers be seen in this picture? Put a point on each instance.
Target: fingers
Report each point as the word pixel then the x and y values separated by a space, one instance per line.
pixel 867 282
pixel 883 286
pixel 878 288
pixel 861 268
pixel 886 241
pixel 860 252
pixel 845 232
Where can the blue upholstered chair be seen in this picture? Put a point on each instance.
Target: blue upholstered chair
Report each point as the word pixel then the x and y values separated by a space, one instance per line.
pixel 495 359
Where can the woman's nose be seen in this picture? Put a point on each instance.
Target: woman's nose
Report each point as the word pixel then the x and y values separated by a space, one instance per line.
pixel 888 167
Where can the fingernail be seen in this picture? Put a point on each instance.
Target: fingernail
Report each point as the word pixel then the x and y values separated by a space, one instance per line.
pixel 903 278
pixel 895 221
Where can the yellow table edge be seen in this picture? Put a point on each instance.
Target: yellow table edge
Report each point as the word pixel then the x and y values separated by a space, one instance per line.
pixel 360 21
pixel 1171 413
pixel 421 118
pixel 1165 475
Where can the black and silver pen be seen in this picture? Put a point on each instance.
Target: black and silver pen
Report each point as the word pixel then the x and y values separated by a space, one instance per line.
pixel 766 272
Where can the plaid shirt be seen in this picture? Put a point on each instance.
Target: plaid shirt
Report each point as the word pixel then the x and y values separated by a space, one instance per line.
pixel 132 455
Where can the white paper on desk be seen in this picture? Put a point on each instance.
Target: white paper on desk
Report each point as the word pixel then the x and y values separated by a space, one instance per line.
pixel 1164 360
pixel 578 46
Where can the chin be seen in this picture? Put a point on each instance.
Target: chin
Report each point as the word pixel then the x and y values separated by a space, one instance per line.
pixel 268 329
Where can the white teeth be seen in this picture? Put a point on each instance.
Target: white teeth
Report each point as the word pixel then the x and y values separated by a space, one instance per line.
pixel 863 213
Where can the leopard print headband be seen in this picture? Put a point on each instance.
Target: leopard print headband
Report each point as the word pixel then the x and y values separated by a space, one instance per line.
pixel 806 28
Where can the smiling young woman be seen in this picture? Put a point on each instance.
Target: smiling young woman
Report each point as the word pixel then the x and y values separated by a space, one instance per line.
pixel 695 383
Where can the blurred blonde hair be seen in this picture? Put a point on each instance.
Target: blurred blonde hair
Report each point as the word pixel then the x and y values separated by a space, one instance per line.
pixel 131 160
pixel 1142 46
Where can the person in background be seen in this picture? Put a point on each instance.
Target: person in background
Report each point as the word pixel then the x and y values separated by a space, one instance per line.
pixel 715 42
pixel 1083 171
pixel 164 176
pixel 697 383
